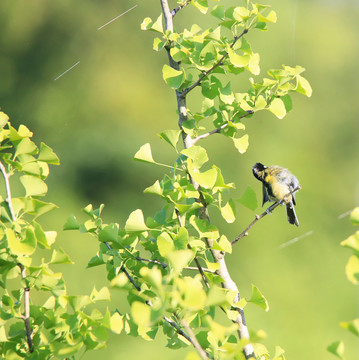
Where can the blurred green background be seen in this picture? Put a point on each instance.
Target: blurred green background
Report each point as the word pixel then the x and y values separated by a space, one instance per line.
pixel 97 116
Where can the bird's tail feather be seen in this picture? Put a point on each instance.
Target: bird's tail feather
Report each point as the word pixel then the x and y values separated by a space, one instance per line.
pixel 291 215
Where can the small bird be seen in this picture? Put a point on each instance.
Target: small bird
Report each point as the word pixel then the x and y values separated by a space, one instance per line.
pixel 278 182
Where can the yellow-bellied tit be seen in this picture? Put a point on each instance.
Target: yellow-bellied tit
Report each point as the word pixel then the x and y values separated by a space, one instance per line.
pixel 278 182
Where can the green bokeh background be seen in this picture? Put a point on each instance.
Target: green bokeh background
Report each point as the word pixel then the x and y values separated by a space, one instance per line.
pixel 98 115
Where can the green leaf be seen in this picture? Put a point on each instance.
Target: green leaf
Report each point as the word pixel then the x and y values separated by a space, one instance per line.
pixel 141 313
pixel 180 259
pixel 116 323
pixel 249 199
pixel 352 326
pixel 279 353
pixel 236 60
pixel 201 5
pixel 78 302
pixel 206 179
pixel 205 230
pixel 173 78
pixel 102 295
pixel 3 119
pixel 258 298
pixel 271 17
pixel 148 24
pixel 109 233
pixel 25 146
pixel 354 216
pixel 60 257
pixel 17 246
pixel 197 154
pixel 154 189
pixel 71 223
pixel 218 11
pixel 136 222
pixel 352 269
pixel 171 136
pixel 277 107
pixel 158 44
pixel 145 154
pixel 165 244
pixel 223 244
pixel 303 86
pixel 337 348
pixel 352 242
pixel 47 155
pixel 33 185
pixel 242 143
pixel 226 94
pixel 228 211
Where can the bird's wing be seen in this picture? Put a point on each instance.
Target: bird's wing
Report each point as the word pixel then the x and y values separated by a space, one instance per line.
pixel 265 195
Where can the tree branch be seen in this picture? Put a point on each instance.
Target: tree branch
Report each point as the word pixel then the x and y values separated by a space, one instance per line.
pixel 6 176
pixel 180 7
pixel 26 316
pixel 203 354
pixel 219 129
pixel 206 73
pixel 199 266
pixel 258 217
pixel 218 256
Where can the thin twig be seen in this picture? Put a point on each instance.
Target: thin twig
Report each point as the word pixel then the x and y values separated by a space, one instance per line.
pixel 219 129
pixel 206 73
pixel 180 7
pixel 202 353
pixel 165 318
pixel 152 261
pixel 258 217
pixel 199 266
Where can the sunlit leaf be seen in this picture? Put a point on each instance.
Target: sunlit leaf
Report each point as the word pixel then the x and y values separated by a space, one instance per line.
pixel 303 86
pixel 242 143
pixel 3 119
pixel 173 78
pixel 144 154
pixel 71 223
pixel 60 257
pixel 165 244
pixel 47 155
pixel 258 298
pixel 352 326
pixel 197 154
pixel 136 222
pixel 354 216
pixel 171 136
pixel 352 269
pixel 109 233
pixel 228 211
pixel 26 246
pixel 337 349
pixel 33 185
pixel 116 323
pixel 277 107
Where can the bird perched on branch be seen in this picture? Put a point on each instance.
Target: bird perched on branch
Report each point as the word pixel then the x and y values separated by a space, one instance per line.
pixel 278 183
